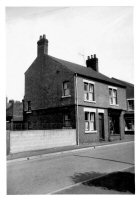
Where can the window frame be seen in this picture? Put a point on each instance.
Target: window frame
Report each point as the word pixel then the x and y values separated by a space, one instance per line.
pixel 66 120
pixel 128 105
pixel 29 107
pixel 88 92
pixel 89 112
pixel 67 89
pixel 113 96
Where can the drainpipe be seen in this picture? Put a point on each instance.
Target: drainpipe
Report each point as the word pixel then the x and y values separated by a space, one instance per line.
pixel 77 116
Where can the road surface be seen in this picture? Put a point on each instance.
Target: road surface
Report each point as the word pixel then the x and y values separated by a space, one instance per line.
pixel 55 173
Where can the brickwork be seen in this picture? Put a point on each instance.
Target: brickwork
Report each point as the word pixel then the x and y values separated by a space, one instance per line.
pixel 50 118
pixel 93 136
pixel 101 95
pixel 43 84
pixel 44 89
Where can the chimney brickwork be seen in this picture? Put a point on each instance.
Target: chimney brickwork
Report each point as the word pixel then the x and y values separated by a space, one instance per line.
pixel 92 62
pixel 42 46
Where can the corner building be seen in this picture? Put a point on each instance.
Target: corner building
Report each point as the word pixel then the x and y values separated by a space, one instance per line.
pixel 64 95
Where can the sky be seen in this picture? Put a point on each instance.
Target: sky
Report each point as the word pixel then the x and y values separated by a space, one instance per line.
pixel 73 34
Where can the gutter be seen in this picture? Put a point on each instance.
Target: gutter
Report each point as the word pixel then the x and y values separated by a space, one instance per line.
pixel 77 116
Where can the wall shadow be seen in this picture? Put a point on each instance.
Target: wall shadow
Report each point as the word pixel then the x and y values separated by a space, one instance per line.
pixel 119 181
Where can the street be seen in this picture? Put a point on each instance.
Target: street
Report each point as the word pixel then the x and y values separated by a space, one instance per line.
pixel 55 173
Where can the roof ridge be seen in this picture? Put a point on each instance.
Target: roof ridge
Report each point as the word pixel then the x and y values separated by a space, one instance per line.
pixel 86 71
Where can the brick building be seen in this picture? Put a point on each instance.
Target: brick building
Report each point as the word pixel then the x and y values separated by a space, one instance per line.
pixel 64 95
pixel 14 115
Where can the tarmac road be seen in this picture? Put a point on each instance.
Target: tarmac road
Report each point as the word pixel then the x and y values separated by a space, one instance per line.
pixel 55 173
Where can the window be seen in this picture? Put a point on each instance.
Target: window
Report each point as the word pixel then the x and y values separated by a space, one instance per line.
pixel 90 121
pixel 66 88
pixel 29 105
pixel 67 121
pixel 112 96
pixel 130 104
pixel 129 125
pixel 88 91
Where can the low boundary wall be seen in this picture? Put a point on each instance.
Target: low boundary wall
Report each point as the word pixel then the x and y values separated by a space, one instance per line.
pixel 19 141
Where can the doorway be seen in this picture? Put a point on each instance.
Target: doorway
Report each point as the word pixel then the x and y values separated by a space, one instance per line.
pixel 101 126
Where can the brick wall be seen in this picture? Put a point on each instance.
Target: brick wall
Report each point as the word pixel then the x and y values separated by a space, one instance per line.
pixel 52 118
pixel 34 140
pixel 43 84
pixel 93 136
pixel 101 95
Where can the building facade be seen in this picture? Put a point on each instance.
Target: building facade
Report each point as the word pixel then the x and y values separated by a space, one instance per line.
pixel 64 95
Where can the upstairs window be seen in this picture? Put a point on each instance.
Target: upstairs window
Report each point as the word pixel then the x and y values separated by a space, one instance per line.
pixel 112 96
pixel 130 104
pixel 89 91
pixel 66 88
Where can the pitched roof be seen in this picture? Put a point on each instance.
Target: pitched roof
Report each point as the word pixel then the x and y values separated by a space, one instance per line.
pixel 129 88
pixel 86 72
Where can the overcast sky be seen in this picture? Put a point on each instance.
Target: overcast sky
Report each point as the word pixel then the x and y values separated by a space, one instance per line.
pixel 73 34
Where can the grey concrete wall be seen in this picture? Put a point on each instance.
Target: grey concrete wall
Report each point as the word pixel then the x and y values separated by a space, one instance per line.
pixel 42 139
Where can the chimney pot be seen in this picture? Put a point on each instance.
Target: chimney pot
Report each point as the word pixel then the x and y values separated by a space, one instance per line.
pixel 92 62
pixel 40 37
pixel 44 36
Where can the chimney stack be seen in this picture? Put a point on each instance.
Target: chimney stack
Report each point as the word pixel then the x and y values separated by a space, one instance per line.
pixel 92 62
pixel 42 46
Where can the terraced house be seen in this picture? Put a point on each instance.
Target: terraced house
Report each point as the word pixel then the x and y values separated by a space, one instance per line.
pixel 64 95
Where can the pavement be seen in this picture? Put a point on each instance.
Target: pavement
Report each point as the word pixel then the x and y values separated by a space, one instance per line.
pixel 26 155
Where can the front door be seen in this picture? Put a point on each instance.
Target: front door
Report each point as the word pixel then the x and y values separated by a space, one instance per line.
pixel 101 126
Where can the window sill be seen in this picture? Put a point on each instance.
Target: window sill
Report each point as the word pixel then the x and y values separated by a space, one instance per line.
pixel 115 134
pixel 66 96
pixel 117 105
pixel 66 127
pixel 91 131
pixel 89 101
pixel 28 112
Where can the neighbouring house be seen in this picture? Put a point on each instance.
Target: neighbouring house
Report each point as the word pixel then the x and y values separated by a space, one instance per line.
pixel 64 95
pixel 129 114
pixel 14 115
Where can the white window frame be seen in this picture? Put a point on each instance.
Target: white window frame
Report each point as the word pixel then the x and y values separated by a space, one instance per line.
pixel 88 92
pixel 66 120
pixel 29 107
pixel 90 111
pixel 63 90
pixel 113 88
